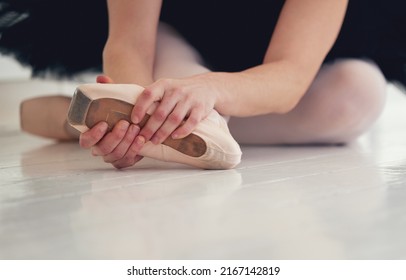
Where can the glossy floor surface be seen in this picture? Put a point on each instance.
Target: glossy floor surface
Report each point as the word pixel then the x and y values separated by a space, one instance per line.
pixel 58 202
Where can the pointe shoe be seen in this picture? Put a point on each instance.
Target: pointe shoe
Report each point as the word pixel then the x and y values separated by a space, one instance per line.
pixel 46 117
pixel 210 146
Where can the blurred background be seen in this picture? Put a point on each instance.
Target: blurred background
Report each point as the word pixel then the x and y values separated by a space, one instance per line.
pixel 12 70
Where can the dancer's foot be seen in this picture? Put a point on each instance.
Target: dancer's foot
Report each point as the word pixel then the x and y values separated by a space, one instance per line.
pixel 46 117
pixel 210 146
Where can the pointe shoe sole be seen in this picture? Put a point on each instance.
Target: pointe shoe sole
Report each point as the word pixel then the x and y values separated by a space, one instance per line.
pixel 210 146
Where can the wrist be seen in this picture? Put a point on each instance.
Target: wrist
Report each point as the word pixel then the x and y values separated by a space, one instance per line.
pixel 225 85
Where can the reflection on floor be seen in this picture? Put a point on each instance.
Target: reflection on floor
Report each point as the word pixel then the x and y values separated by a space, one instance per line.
pixel 58 202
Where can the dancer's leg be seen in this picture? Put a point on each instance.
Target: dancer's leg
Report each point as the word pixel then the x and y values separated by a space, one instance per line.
pixel 46 116
pixel 345 99
pixel 175 58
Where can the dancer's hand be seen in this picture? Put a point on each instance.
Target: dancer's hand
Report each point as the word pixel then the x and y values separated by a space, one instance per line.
pixel 183 104
pixel 120 147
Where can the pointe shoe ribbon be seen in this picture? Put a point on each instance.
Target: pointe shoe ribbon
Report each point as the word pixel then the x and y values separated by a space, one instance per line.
pixel 209 146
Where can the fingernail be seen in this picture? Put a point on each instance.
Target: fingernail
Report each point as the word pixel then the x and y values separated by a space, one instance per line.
pixel 135 120
pixel 103 127
pixel 140 140
pixel 124 125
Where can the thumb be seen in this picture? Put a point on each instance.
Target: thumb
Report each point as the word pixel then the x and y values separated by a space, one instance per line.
pixel 103 79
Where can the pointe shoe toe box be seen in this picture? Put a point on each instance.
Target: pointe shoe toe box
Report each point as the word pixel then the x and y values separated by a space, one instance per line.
pixel 222 151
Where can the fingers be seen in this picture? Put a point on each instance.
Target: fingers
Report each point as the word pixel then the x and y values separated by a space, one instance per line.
pixel 189 125
pixel 103 79
pixel 165 127
pixel 177 124
pixel 93 136
pixel 120 147
pixel 164 120
pixel 181 107
pixel 111 140
pixel 154 93
pixel 150 95
pixel 131 156
pixel 144 101
pixel 127 162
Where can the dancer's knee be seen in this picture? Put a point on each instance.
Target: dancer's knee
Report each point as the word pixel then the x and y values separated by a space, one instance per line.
pixel 360 89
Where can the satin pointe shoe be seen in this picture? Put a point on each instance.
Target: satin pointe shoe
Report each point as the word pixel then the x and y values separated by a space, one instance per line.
pixel 210 146
pixel 45 116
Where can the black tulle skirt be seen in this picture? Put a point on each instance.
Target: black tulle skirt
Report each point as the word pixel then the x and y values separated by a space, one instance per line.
pixel 67 37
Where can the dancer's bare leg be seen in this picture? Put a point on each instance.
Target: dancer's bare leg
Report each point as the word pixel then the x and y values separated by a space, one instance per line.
pixel 46 116
pixel 175 58
pixel 343 102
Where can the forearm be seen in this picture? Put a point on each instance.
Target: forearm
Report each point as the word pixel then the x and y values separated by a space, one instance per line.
pixel 269 88
pixel 305 33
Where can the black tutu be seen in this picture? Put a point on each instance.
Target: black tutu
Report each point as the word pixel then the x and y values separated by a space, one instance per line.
pixel 67 37
pixel 58 37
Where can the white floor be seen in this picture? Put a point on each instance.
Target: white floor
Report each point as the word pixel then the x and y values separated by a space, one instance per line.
pixel 58 202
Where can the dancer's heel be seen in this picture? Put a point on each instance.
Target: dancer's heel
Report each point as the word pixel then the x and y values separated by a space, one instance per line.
pixel 46 117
